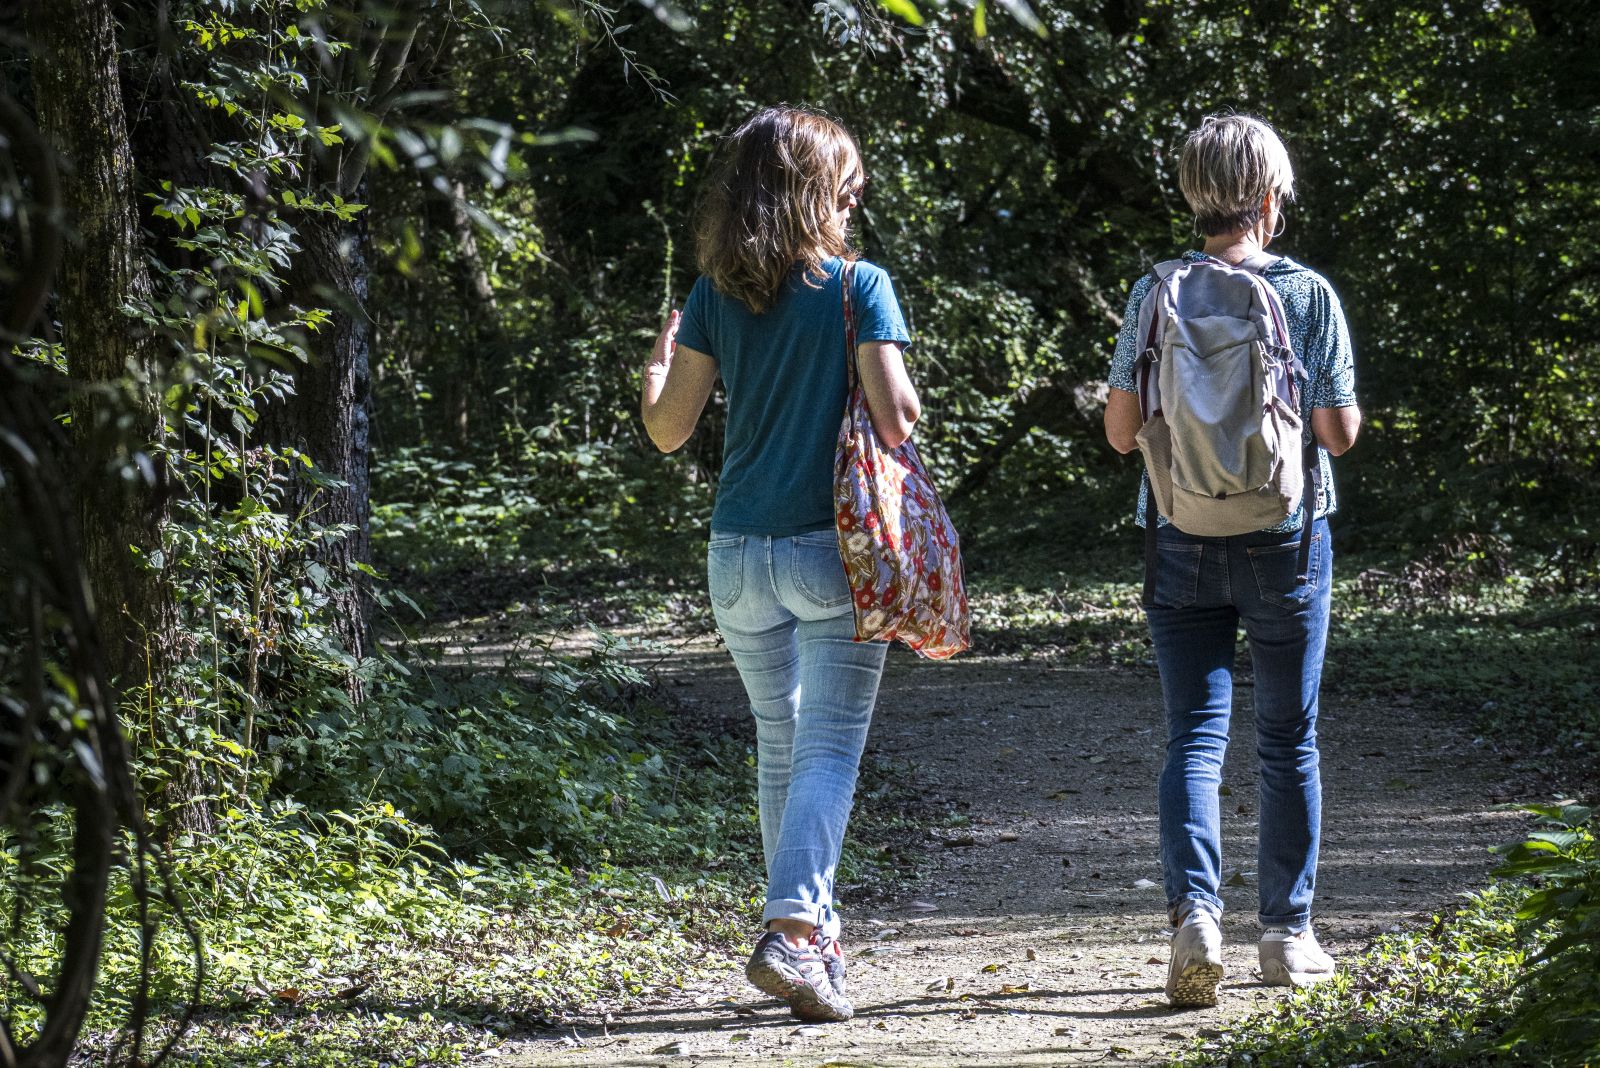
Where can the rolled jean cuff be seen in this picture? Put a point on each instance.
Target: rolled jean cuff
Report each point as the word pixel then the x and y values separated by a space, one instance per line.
pixel 1294 921
pixel 1176 910
pixel 793 909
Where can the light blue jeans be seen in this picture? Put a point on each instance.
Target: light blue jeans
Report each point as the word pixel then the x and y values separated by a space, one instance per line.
pixel 783 607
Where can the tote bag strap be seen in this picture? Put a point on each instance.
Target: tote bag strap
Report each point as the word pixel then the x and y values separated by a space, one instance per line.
pixel 848 278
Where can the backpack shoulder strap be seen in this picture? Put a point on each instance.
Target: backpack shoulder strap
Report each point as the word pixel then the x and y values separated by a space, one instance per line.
pixel 1167 268
pixel 1260 262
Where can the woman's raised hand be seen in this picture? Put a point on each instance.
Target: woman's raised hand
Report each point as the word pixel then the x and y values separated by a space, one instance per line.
pixel 666 344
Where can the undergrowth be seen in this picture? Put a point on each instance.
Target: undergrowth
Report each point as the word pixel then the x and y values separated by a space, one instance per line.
pixel 1510 977
pixel 352 937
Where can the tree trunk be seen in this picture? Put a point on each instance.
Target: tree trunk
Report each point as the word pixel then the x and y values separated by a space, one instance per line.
pixel 112 362
pixel 329 416
pixel 484 340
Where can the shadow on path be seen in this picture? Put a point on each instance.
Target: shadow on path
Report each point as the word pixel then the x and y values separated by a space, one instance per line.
pixel 1046 941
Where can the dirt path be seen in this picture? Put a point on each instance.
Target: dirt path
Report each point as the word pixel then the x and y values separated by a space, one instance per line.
pixel 1038 935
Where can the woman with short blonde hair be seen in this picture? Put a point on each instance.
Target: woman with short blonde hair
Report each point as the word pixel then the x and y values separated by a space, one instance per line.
pixel 1236 175
pixel 767 316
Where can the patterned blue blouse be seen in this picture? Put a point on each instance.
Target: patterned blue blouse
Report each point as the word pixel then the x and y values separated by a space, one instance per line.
pixel 1319 336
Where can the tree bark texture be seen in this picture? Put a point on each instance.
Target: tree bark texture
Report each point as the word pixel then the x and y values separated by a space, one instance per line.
pixel 484 336
pixel 113 363
pixel 329 416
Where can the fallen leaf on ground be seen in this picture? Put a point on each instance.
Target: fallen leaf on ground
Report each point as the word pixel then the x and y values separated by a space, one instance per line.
pixel 1155 960
pixel 990 969
pixel 671 1049
pixel 1015 988
pixel 946 985
pixel 1032 955
pixel 923 906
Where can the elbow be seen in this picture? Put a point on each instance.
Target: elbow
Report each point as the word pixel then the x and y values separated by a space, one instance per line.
pixel 664 438
pixel 1338 433
pixel 896 434
pixel 1121 438
pixel 663 443
pixel 896 430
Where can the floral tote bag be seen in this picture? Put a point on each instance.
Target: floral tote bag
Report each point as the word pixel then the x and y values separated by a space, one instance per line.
pixel 900 551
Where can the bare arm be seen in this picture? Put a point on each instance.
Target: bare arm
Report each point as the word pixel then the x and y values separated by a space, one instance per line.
pixel 1123 420
pixel 677 382
pixel 891 398
pixel 1336 428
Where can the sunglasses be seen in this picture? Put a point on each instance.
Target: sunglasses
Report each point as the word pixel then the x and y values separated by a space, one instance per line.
pixel 853 189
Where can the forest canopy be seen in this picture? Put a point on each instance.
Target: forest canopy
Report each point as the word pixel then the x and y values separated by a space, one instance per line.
pixel 325 321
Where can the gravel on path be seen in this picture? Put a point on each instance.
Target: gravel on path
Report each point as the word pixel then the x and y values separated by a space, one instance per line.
pixel 1037 935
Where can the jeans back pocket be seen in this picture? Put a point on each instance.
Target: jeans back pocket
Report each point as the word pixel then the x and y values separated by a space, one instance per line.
pixel 725 568
pixel 1277 573
pixel 1177 574
pixel 817 569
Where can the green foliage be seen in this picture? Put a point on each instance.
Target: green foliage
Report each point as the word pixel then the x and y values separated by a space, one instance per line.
pixel 1504 643
pixel 573 756
pixel 1414 998
pixel 1020 180
pixel 348 937
pixel 561 505
pixel 1501 639
pixel 1558 1018
pixel 1512 977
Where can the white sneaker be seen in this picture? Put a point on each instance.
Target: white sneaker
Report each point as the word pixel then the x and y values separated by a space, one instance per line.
pixel 1196 966
pixel 1293 959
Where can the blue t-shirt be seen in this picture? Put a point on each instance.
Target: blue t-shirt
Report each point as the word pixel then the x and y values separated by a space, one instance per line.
pixel 1317 333
pixel 784 375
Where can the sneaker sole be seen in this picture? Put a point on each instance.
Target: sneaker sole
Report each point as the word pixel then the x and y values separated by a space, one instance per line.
pixel 1276 973
pixel 1196 988
pixel 804 1000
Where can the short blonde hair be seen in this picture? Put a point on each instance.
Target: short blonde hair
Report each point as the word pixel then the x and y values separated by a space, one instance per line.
pixel 1228 166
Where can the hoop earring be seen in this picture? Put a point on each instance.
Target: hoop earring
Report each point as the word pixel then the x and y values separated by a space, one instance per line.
pixel 1283 224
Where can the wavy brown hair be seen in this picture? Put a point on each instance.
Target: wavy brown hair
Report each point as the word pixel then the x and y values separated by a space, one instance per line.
pixel 772 203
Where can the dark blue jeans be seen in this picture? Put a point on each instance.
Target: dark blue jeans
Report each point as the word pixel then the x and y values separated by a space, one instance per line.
pixel 1206 587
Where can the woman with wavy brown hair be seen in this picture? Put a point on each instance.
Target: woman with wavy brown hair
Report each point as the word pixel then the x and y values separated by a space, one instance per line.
pixel 767 315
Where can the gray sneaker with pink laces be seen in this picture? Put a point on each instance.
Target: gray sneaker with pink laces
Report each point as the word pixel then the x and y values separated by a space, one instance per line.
pixel 800 976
